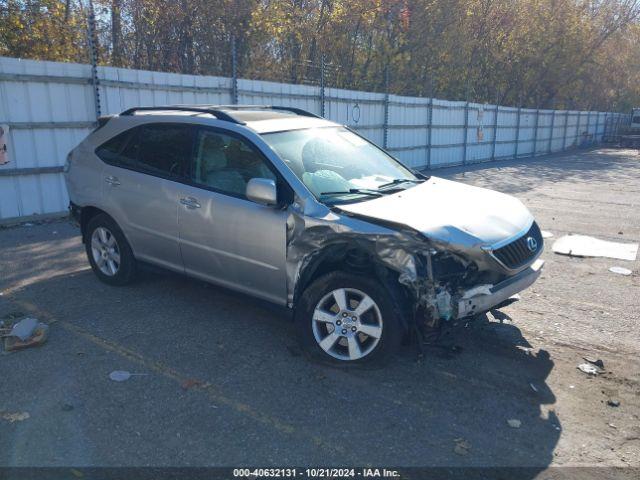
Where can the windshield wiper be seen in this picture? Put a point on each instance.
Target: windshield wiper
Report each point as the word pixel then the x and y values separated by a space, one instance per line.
pixel 352 191
pixel 398 181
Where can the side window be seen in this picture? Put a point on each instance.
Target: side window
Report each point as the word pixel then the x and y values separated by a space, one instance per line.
pixel 158 149
pixel 111 150
pixel 227 163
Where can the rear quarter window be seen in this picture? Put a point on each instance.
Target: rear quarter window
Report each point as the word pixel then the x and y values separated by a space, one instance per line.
pixel 110 150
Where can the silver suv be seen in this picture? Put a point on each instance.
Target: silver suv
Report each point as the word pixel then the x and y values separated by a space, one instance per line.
pixel 283 205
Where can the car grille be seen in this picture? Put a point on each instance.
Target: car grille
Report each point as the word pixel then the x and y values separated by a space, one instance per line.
pixel 518 253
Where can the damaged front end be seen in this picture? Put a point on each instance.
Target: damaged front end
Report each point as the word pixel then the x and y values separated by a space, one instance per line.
pixel 432 281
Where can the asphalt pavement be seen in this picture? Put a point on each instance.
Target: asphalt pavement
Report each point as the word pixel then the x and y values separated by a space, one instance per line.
pixel 222 382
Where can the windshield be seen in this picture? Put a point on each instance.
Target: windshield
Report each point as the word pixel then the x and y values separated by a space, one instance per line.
pixel 337 165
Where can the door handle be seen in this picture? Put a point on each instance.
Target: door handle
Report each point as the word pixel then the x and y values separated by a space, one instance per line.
pixel 190 202
pixel 113 181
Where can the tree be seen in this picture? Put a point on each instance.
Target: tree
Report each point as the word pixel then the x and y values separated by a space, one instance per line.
pixel 535 53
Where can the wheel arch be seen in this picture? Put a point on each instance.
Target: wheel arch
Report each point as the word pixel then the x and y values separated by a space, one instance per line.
pixel 354 258
pixel 87 214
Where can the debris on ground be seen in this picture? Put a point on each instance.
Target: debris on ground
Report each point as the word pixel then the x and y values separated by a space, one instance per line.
pixel 28 332
pixel 514 423
pixel 613 402
pixel 24 328
pixel 39 336
pixel 595 361
pixel 585 246
pixel 462 446
pixel 14 417
pixel 546 234
pixel 119 375
pixel 589 369
pixel 621 271
pixel 122 375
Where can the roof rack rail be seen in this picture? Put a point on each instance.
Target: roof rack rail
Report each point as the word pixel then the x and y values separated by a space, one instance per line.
pixel 218 111
pixel 297 111
pixel 183 108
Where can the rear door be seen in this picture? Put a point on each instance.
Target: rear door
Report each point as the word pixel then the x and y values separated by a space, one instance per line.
pixel 224 237
pixel 141 182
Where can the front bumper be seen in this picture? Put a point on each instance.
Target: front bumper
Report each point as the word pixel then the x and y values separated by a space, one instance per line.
pixel 500 292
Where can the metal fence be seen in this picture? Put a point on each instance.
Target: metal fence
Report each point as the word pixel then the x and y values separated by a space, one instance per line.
pixel 48 107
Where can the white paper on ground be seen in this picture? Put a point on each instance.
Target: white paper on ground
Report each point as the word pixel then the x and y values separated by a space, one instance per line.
pixel 621 270
pixel 585 246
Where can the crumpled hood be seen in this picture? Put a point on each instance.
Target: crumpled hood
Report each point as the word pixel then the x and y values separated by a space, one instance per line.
pixel 450 212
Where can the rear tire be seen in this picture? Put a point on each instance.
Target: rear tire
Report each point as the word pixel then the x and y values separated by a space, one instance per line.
pixel 109 252
pixel 347 320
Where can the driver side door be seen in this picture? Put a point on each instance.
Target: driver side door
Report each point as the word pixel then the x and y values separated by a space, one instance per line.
pixel 226 238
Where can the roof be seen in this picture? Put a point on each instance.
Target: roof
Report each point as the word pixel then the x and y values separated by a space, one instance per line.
pixel 261 118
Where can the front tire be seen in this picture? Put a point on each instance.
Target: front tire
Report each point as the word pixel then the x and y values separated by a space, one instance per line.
pixel 109 252
pixel 348 319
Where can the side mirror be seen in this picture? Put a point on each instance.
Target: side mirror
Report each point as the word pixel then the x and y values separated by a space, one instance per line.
pixel 262 191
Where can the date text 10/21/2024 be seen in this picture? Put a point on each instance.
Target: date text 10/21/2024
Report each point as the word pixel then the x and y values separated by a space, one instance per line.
pixel 315 473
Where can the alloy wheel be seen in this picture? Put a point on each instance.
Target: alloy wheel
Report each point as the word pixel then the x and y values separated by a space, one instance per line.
pixel 347 324
pixel 105 251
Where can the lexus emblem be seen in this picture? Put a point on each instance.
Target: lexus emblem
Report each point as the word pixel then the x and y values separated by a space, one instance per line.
pixel 532 244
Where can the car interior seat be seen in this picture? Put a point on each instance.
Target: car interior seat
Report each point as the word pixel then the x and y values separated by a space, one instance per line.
pixel 214 169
